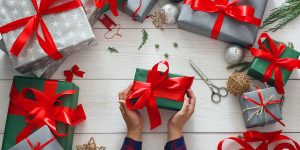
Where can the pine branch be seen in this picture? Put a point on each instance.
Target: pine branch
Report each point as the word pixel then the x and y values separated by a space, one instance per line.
pixel 144 38
pixel 242 66
pixel 112 50
pixel 290 45
pixel 282 15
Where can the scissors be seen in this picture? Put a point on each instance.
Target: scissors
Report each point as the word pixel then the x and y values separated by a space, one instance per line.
pixel 217 92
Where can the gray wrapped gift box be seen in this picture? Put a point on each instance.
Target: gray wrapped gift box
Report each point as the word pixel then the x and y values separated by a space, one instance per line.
pixel 2 45
pixel 253 120
pixel 70 30
pixel 132 5
pixel 232 31
pixel 43 135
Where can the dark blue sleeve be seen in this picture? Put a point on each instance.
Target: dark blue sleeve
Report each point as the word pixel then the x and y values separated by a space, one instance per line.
pixel 177 144
pixel 130 144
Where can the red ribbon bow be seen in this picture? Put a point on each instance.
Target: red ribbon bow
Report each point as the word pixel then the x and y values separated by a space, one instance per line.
pixel 272 55
pixel 74 71
pixel 112 5
pixel 38 145
pixel 157 85
pixel 31 25
pixel 265 139
pixel 243 13
pixel 264 104
pixel 45 109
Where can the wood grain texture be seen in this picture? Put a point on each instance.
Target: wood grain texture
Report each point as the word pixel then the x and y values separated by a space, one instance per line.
pixel 109 73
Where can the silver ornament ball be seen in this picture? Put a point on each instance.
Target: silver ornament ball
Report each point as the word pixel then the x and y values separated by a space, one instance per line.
pixel 234 54
pixel 171 13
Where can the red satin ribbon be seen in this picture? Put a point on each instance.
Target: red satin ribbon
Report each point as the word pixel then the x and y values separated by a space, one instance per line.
pixel 133 15
pixel 112 5
pixel 157 85
pixel 264 104
pixel 31 25
pixel 45 109
pixel 272 55
pixel 38 145
pixel 265 139
pixel 74 71
pixel 243 13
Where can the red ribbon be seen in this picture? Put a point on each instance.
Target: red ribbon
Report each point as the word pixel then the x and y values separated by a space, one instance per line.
pixel 45 109
pixel 38 145
pixel 242 13
pixel 112 5
pixel 265 139
pixel 157 85
pixel 133 15
pixel 272 55
pixel 264 104
pixel 74 71
pixel 31 25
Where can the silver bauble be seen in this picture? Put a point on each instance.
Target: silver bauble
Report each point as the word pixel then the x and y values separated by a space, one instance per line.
pixel 234 54
pixel 171 13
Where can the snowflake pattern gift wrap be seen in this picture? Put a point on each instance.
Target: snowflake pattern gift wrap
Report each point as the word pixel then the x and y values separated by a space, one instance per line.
pixel 154 89
pixel 36 102
pixel 261 107
pixel 38 32
pixel 233 21
pixel 41 139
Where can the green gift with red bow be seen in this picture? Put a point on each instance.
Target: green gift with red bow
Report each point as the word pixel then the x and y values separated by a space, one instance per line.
pixel 37 102
pixel 154 89
pixel 273 62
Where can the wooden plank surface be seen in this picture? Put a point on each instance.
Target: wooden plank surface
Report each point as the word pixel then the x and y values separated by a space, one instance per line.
pixel 109 73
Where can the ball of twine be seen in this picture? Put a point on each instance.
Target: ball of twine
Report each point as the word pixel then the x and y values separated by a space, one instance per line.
pixel 238 83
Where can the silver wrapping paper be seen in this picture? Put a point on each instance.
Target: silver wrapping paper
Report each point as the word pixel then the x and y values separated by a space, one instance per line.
pixel 42 135
pixel 232 31
pixel 70 30
pixel 132 5
pixel 260 120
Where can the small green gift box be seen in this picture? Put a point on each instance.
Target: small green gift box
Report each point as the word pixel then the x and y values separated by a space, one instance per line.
pixel 163 103
pixel 36 102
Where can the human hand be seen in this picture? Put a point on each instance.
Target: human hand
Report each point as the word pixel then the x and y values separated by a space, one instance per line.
pixel 132 118
pixel 177 122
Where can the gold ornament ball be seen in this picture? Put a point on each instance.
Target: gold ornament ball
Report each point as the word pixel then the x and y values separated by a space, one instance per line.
pixel 238 83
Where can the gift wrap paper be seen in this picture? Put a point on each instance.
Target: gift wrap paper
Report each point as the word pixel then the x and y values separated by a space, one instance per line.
pixel 259 66
pixel 232 31
pixel 163 103
pixel 131 6
pixel 260 120
pixel 70 30
pixel 16 123
pixel 43 135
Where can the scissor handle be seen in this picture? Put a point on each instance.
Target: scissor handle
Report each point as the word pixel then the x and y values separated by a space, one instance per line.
pixel 215 97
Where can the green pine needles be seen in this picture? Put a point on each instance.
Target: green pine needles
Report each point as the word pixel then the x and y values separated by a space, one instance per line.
pixel 144 38
pixel 112 50
pixel 242 66
pixel 282 15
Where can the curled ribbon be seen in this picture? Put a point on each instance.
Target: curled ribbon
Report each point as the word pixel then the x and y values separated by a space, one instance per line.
pixel 74 71
pixel 242 13
pixel 262 106
pixel 38 145
pixel 112 5
pixel 45 109
pixel 265 138
pixel 272 55
pixel 31 25
pixel 157 85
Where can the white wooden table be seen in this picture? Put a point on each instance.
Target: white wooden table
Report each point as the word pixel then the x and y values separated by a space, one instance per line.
pixel 108 73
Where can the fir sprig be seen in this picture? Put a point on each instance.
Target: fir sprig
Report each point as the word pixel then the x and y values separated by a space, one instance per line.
pixel 144 38
pixel 242 66
pixel 112 50
pixel 282 15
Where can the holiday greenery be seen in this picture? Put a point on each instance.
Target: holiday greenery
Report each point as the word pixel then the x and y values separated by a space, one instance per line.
pixel 283 14
pixel 175 44
pixel 144 38
pixel 112 50
pixel 157 46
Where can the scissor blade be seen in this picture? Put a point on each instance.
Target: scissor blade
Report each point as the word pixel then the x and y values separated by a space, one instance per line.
pixel 201 74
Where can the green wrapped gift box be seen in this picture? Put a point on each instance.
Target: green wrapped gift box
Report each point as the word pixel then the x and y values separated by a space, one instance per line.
pixel 260 65
pixel 15 122
pixel 163 103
